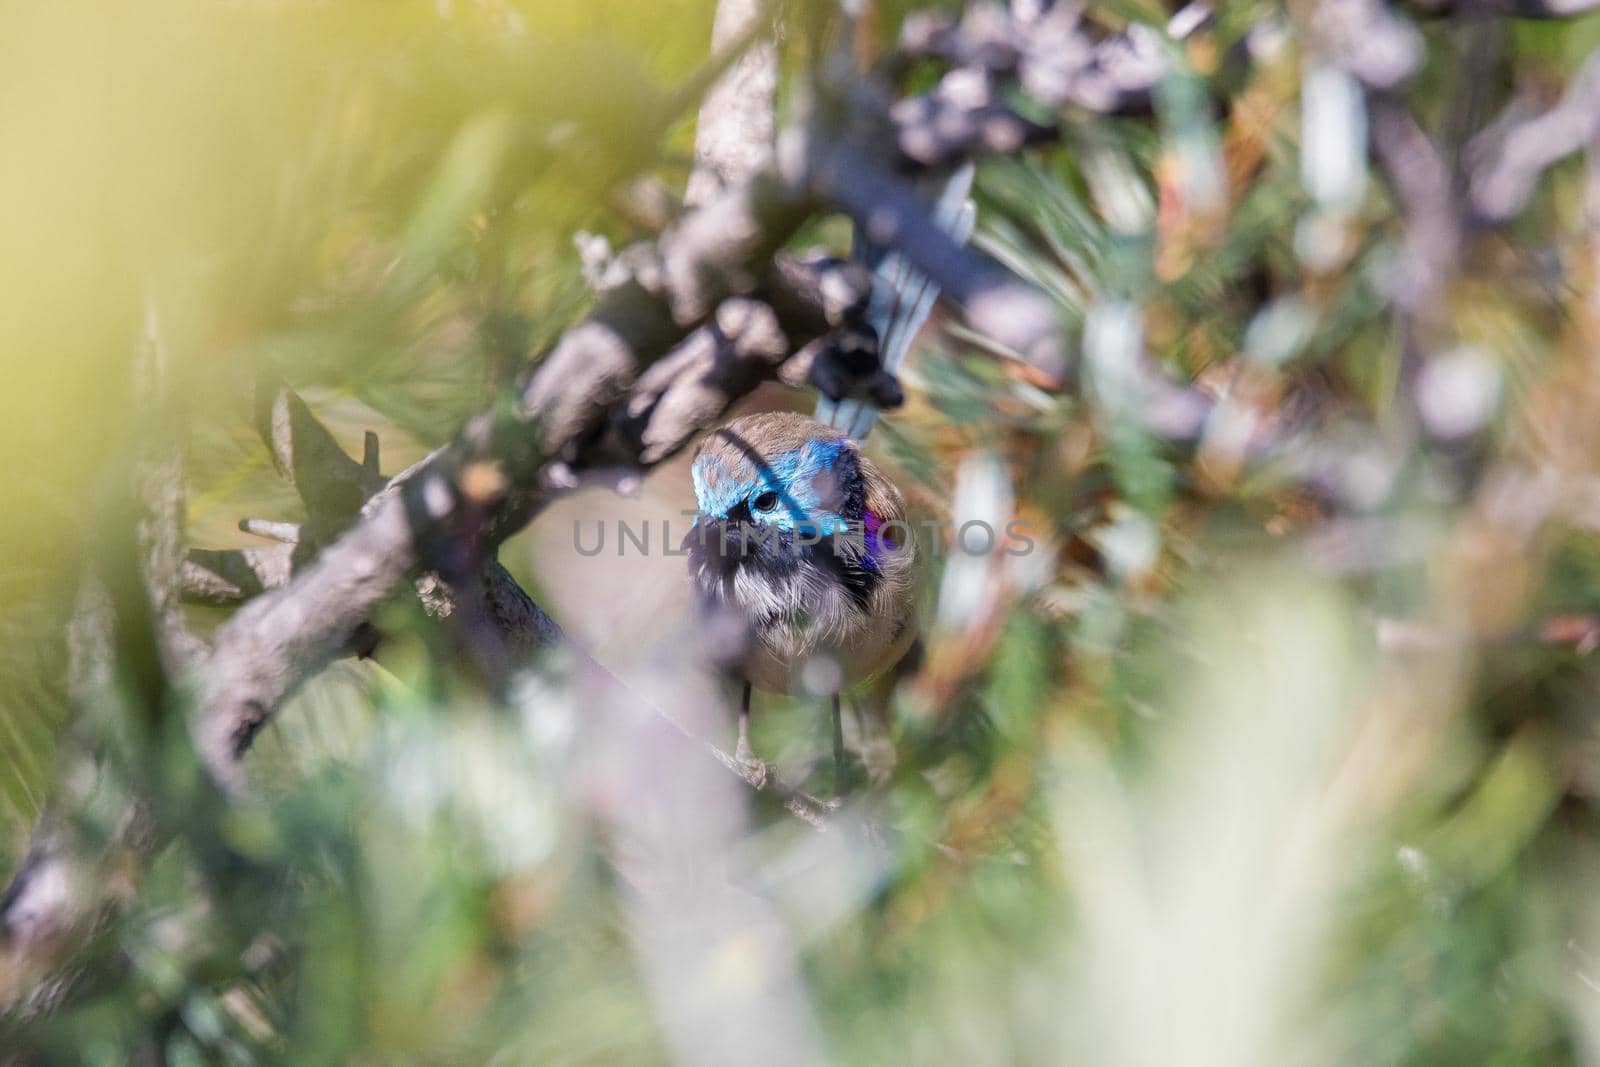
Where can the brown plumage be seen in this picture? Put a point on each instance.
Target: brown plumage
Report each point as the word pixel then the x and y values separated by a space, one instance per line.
pixel 820 562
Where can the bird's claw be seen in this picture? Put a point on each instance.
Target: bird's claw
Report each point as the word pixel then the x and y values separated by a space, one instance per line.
pixel 755 769
pixel 878 758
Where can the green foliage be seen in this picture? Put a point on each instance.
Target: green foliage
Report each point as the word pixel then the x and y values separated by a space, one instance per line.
pixel 1278 746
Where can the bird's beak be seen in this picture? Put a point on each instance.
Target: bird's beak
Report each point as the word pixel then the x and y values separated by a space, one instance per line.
pixel 719 545
pixel 710 547
pixel 704 532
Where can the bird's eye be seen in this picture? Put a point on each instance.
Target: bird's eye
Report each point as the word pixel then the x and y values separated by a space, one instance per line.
pixel 765 502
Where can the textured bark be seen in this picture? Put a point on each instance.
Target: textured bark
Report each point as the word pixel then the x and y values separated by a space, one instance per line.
pixel 734 134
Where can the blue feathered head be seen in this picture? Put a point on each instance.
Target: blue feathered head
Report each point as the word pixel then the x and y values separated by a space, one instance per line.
pixel 781 470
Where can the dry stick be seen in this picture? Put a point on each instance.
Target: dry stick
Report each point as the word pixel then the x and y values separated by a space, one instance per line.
pixel 1016 316
pixel 1416 171
pixel 734 132
pixel 1507 160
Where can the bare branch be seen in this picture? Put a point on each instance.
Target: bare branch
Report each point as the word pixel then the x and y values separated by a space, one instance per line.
pixel 697 381
pixel 1507 159
pixel 815 294
pixel 222 577
pixel 734 137
pixel 285 533
pixel 1370 40
pixel 282 637
pixel 1012 313
pixel 1417 172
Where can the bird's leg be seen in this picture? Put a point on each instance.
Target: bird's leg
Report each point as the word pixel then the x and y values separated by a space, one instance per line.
pixel 874 747
pixel 838 747
pixel 742 751
pixel 755 770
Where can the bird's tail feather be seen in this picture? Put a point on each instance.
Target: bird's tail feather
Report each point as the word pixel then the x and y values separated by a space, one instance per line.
pixel 902 298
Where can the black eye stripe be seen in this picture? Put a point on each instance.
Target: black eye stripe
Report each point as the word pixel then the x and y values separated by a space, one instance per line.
pixel 765 501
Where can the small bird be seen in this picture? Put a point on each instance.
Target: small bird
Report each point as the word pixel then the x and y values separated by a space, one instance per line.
pixel 799 536
pixel 805 541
